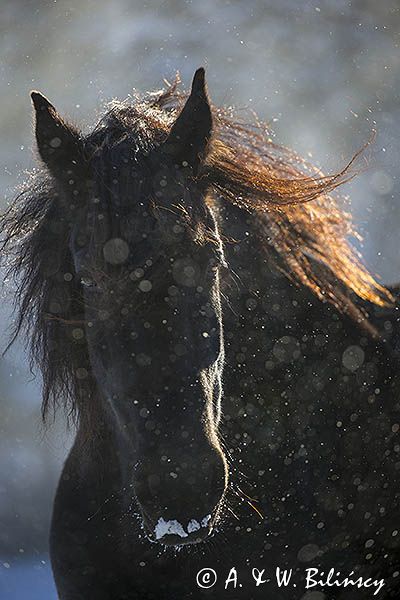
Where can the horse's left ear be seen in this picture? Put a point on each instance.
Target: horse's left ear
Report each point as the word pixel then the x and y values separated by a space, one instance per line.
pixel 59 143
pixel 191 132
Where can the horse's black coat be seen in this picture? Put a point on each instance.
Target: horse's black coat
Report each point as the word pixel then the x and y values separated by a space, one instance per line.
pixel 311 395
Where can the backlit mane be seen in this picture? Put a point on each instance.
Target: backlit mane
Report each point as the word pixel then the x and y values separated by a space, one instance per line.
pixel 296 220
pixel 298 217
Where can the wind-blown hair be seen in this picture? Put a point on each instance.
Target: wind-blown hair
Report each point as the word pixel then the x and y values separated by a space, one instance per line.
pixel 295 217
pixel 298 218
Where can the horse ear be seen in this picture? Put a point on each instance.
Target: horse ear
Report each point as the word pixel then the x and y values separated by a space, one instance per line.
pixel 58 142
pixel 191 132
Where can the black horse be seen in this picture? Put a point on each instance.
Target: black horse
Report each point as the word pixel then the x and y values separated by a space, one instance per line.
pixel 168 251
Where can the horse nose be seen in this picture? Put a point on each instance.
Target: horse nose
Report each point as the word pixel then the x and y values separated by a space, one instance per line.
pixel 179 497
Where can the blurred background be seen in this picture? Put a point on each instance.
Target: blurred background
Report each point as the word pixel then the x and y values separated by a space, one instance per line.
pixel 323 73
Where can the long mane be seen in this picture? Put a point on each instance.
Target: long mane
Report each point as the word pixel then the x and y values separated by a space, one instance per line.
pixel 296 220
pixel 296 217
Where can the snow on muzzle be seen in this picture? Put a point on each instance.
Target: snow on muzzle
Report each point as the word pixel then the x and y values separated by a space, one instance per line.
pixel 172 532
pixel 180 499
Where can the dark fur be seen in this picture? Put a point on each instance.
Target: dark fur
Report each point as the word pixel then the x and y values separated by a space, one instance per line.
pixel 293 273
pixel 245 167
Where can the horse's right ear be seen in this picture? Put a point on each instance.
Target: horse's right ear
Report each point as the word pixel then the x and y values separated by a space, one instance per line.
pixel 191 132
pixel 59 143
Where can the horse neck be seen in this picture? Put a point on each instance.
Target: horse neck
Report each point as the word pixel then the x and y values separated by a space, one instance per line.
pixel 254 269
pixel 262 304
